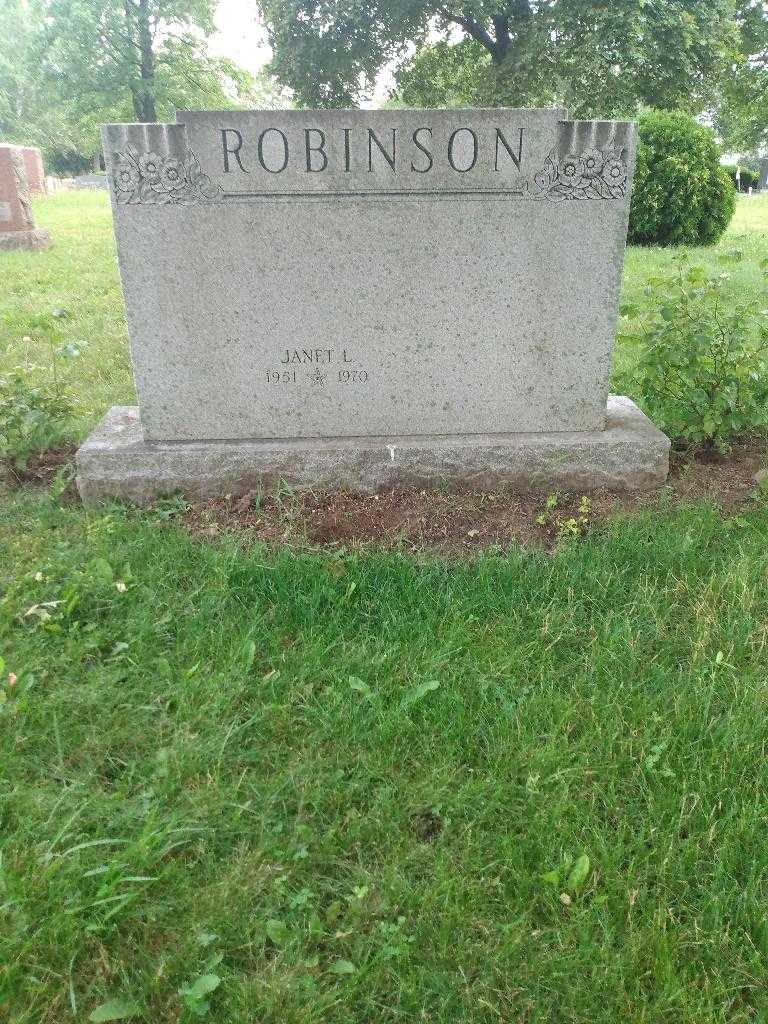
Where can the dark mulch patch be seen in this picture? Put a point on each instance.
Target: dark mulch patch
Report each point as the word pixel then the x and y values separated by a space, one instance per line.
pixel 727 480
pixel 426 825
pixel 462 522
pixel 41 468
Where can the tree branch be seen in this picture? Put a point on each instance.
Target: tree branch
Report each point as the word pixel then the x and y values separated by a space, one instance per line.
pixel 473 28
pixel 517 11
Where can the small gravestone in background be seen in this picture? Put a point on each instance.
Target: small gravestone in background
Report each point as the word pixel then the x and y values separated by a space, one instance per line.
pixel 17 225
pixel 35 170
pixel 370 299
pixel 91 181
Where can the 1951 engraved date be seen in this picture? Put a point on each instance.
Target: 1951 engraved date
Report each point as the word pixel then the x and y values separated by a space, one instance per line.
pixel 281 377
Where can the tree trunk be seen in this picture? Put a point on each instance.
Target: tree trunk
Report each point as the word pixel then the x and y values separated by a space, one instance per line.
pixel 142 91
pixel 149 112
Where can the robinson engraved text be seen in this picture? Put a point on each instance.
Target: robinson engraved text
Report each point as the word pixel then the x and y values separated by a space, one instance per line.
pixel 322 150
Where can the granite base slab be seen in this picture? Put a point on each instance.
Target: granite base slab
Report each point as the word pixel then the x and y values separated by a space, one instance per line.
pixel 629 455
pixel 34 240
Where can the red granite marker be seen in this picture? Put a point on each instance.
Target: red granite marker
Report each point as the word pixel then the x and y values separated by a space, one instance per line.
pixel 33 165
pixel 17 225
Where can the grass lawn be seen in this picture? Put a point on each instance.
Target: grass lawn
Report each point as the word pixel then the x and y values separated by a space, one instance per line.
pixel 352 786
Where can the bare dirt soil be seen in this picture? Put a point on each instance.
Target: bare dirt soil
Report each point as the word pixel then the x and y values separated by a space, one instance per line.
pixel 40 468
pixel 466 521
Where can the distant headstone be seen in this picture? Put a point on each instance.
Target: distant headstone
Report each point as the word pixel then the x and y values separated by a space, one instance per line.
pixel 371 298
pixel 17 225
pixel 91 181
pixel 762 184
pixel 35 171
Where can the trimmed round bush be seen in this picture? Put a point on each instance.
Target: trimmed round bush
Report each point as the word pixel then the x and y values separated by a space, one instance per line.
pixel 681 194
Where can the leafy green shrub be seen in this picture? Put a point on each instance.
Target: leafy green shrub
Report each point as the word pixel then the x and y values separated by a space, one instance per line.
pixel 681 194
pixel 32 415
pixel 703 373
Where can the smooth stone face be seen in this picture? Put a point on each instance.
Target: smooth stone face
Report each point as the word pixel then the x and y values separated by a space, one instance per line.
pixel 294 274
pixel 629 455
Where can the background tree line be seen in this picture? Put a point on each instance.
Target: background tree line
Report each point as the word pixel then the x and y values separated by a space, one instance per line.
pixel 66 66
pixel 592 57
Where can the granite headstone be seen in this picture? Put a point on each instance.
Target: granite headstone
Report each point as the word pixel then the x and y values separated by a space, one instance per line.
pixel 17 224
pixel 35 170
pixel 339 281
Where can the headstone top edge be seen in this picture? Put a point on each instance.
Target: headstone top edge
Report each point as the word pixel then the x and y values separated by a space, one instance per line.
pixel 375 112
pixel 558 114
pixel 140 124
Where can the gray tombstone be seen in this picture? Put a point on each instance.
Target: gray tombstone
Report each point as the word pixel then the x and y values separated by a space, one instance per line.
pixel 91 181
pixel 371 298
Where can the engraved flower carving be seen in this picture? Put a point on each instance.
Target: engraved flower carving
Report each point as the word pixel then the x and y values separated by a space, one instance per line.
pixel 199 181
pixel 592 161
pixel 172 175
pixel 614 172
pixel 149 178
pixel 593 174
pixel 204 184
pixel 151 167
pixel 571 170
pixel 127 178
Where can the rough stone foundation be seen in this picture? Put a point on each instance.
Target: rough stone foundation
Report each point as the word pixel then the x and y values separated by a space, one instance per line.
pixel 630 455
pixel 36 239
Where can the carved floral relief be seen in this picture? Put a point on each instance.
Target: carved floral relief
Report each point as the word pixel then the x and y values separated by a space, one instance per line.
pixel 593 174
pixel 150 178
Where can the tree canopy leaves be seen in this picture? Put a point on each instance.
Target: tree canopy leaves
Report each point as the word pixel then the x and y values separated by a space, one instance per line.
pixel 591 56
pixel 742 109
pixel 67 66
